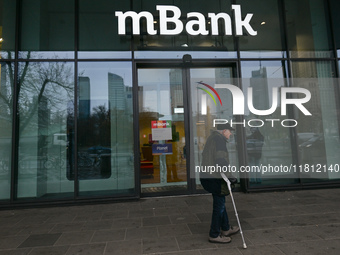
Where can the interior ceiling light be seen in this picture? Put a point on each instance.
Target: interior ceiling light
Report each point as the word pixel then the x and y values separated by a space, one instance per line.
pixel 1 40
pixel 263 23
pixel 185 45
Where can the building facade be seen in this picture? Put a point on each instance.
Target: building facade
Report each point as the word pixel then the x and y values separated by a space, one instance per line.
pixel 106 100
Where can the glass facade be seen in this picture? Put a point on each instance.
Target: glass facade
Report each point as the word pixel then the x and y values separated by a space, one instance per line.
pixel 78 96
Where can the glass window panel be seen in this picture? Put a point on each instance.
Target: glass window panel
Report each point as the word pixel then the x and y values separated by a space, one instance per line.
pixel 45 110
pixel 104 54
pixel 266 21
pixel 269 144
pixel 98 29
pixel 308 29
pixel 7 28
pixel 183 41
pixel 6 114
pixel 318 134
pixel 47 29
pixel 105 133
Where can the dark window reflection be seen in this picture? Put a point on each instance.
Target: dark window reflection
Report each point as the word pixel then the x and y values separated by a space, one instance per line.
pixel 307 26
pixel 98 27
pixel 7 28
pixel 335 8
pixel 47 27
pixel 94 146
pixel 267 22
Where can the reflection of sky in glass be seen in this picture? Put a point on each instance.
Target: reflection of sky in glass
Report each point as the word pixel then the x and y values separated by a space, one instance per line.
pixel 207 73
pixel 98 72
pixel 156 90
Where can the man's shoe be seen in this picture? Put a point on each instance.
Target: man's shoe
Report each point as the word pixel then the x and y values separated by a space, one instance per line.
pixel 231 231
pixel 220 239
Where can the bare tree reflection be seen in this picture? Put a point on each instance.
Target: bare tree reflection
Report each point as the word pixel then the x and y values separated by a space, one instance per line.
pixel 38 82
pixel 44 90
pixel 94 144
pixel 48 82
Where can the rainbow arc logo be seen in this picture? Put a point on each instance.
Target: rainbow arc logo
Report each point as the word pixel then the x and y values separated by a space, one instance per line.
pixel 209 93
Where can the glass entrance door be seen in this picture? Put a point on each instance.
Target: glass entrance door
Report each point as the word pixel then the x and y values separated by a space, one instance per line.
pixel 165 117
pixel 162 130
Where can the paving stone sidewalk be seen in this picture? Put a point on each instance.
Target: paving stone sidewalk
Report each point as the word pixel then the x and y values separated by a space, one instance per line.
pixel 293 222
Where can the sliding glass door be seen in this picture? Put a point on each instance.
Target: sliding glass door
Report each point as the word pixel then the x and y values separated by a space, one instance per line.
pixel 162 136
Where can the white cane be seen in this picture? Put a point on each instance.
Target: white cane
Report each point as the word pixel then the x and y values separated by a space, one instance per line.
pixel 236 214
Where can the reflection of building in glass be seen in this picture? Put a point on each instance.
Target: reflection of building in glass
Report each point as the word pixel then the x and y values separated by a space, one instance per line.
pixel 120 96
pixel 224 76
pixel 120 108
pixel 117 93
pixel 259 83
pixel 84 98
pixel 128 100
pixel 43 114
pixel 176 92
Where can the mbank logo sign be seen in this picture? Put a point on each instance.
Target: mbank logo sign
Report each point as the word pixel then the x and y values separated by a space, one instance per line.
pixel 238 102
pixel 170 20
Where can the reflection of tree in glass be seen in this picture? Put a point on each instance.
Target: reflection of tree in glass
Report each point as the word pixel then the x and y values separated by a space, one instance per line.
pixel 97 131
pixel 6 87
pixel 101 127
pixel 44 85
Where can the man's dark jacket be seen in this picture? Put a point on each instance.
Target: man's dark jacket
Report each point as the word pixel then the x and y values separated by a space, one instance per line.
pixel 215 153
